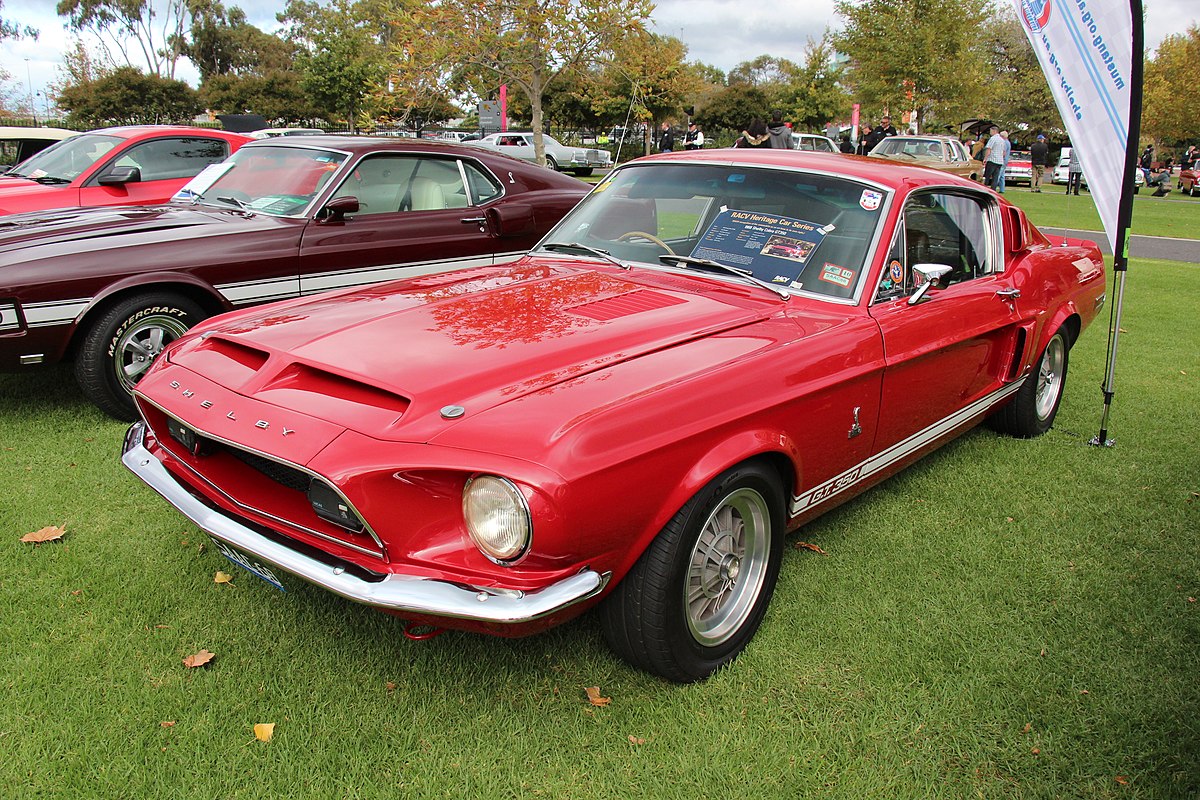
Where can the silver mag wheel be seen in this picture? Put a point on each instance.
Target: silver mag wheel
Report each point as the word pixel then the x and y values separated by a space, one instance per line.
pixel 1032 410
pixel 728 567
pixel 695 598
pixel 123 341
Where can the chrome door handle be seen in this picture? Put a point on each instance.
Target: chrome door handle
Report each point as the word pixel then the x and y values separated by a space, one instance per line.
pixel 474 220
pixel 1008 294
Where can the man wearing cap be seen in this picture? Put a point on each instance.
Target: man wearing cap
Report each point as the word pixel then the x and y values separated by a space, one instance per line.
pixel 1037 163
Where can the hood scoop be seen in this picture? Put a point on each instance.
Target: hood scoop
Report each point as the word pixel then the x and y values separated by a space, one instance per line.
pixel 624 305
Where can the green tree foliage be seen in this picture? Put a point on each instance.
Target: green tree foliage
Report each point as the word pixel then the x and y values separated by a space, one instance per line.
pixel 222 42
pixel 153 29
pixel 527 44
pixel 931 44
pixel 1017 95
pixel 734 107
pixel 9 29
pixel 127 96
pixel 1171 92
pixel 815 94
pixel 277 95
pixel 341 55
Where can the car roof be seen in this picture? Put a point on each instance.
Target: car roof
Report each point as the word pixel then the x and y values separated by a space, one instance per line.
pixel 366 144
pixel 882 171
pixel 41 134
pixel 131 131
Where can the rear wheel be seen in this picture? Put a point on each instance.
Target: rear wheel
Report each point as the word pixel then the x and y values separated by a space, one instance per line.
pixel 123 342
pixel 551 163
pixel 695 598
pixel 583 173
pixel 1031 412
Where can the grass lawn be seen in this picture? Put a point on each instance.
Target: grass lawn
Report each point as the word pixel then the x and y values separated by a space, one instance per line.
pixel 1006 619
pixel 1175 215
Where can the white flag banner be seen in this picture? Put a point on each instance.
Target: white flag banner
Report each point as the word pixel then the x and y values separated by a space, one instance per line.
pixel 1085 48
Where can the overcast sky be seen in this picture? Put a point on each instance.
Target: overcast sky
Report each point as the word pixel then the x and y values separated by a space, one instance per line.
pixel 723 33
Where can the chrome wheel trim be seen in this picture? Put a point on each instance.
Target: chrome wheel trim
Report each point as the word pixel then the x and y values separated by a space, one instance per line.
pixel 1049 379
pixel 727 567
pixel 136 348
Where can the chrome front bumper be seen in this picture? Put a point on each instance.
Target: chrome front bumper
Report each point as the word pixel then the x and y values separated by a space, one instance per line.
pixel 401 593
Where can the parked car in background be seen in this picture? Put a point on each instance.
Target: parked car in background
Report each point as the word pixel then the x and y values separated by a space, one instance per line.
pixel 1062 168
pixel 579 160
pixel 707 352
pixel 267 133
pixel 1187 182
pixel 18 144
pixel 286 216
pixel 939 152
pixel 815 142
pixel 114 166
pixel 1019 168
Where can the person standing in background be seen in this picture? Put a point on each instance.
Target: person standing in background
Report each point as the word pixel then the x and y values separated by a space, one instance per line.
pixel 666 141
pixel 694 138
pixel 1038 153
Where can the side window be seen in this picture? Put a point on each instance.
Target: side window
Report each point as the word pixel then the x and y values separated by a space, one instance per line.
pixel 484 186
pixel 939 228
pixel 166 159
pixel 387 184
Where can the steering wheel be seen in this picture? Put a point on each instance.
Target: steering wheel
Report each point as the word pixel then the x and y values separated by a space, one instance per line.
pixel 649 236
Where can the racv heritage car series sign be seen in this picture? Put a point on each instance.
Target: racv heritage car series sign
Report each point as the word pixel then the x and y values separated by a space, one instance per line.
pixel 708 351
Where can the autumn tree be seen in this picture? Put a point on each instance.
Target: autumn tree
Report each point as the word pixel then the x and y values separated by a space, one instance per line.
pixel 927 47
pixel 1016 92
pixel 1171 92
pixel 527 44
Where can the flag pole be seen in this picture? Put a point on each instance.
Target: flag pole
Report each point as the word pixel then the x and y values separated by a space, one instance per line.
pixel 1124 218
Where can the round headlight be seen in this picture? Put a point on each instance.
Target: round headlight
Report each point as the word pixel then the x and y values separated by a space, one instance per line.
pixel 497 517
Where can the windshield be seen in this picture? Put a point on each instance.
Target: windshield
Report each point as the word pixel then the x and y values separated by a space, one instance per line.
pixel 917 148
pixel 796 230
pixel 67 160
pixel 276 180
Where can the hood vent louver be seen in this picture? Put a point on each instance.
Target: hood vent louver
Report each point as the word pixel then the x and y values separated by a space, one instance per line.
pixel 624 305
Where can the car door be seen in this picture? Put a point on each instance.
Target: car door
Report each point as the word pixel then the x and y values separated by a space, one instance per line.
pixel 163 165
pixel 953 353
pixel 417 214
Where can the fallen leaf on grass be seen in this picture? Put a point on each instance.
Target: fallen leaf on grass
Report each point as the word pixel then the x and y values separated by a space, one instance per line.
pixel 263 731
pixel 223 577
pixel 198 659
pixel 168 724
pixel 636 740
pixel 810 546
pixel 391 686
pixel 1036 751
pixel 594 697
pixel 48 534
pixel 1121 779
pixel 1191 599
pixel 1028 727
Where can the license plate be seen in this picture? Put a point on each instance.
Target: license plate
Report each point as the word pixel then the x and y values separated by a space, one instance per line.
pixel 251 565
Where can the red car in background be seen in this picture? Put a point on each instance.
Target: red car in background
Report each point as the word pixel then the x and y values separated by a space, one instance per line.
pixel 635 414
pixel 1187 182
pixel 136 165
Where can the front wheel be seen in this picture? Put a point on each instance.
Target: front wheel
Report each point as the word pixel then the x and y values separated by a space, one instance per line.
pixel 551 163
pixel 1031 412
pixel 583 173
pixel 120 346
pixel 695 598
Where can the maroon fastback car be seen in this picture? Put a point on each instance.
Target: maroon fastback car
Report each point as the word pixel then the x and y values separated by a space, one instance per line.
pixel 114 166
pixel 711 349
pixel 110 287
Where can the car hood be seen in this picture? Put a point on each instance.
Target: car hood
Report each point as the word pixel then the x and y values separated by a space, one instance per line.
pixel 80 225
pixel 18 190
pixel 388 361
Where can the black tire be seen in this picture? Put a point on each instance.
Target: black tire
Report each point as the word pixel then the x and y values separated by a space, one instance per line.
pixel 120 344
pixel 551 163
pixel 725 545
pixel 1031 412
pixel 583 173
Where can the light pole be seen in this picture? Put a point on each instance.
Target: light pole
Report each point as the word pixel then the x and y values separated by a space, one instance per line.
pixel 29 77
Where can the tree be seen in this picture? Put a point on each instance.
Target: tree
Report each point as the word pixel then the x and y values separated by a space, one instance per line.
pixel 222 42
pixel 14 30
pixel 1017 93
pixel 341 54
pixel 1171 93
pixel 929 48
pixel 815 94
pixel 155 28
pixel 127 96
pixel 528 44
pixel 277 95
pixel 734 107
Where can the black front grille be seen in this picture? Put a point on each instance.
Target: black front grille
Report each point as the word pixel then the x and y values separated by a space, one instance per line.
pixel 282 474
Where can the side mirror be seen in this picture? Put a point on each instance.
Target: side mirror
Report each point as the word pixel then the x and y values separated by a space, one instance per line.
pixel 119 176
pixel 512 220
pixel 337 208
pixel 932 273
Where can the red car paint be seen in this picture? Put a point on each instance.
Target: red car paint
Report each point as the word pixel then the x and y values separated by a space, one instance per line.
pixel 610 394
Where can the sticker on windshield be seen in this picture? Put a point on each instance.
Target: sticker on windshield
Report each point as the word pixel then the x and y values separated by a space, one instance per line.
pixel 833 273
pixel 203 181
pixel 870 199
pixel 896 271
pixel 774 248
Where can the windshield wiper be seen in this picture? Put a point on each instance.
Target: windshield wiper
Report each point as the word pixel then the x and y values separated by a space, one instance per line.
pixel 595 251
pixel 233 201
pixel 49 180
pixel 717 266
